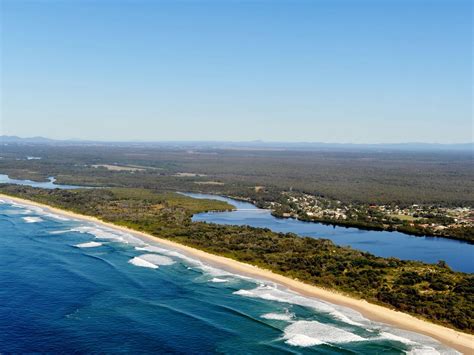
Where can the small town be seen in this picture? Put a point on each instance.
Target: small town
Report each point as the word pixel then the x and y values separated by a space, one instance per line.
pixel 450 222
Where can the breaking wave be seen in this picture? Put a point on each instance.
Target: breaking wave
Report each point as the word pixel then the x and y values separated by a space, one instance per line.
pixel 108 234
pixel 157 259
pixel 26 208
pixel 298 332
pixel 88 245
pixel 272 293
pixel 305 333
pixel 310 333
pixel 32 219
pixel 195 263
pixel 218 280
pixel 137 261
pixel 287 316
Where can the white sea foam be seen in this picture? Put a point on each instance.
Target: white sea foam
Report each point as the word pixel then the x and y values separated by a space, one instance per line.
pixel 272 293
pixel 58 217
pixel 310 333
pixel 400 339
pixel 32 219
pixel 32 208
pixel 168 252
pixel 15 211
pixel 419 344
pixel 298 333
pixel 61 231
pixel 157 259
pixel 109 234
pixel 303 340
pixel 288 317
pixel 218 280
pixel 14 204
pixel 153 249
pixel 41 211
pixel 88 245
pixel 424 350
pixel 142 263
pixel 27 209
pixel 213 271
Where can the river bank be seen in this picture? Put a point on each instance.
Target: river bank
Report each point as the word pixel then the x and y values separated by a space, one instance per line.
pixel 348 223
pixel 387 244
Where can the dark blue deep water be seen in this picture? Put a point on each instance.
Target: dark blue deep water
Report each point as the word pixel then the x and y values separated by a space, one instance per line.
pixel 458 255
pixel 72 286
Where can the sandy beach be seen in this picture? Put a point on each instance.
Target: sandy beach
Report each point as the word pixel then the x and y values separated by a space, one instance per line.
pixel 460 341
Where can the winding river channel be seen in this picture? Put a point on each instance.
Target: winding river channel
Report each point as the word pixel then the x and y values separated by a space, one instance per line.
pixel 50 184
pixel 459 255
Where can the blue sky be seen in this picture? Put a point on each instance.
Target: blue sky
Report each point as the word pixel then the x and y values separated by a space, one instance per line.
pixel 329 70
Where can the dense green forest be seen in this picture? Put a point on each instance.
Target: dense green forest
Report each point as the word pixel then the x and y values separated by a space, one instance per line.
pixel 356 179
pixel 433 292
pixel 404 178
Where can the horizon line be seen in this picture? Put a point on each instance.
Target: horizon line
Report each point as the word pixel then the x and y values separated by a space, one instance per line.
pixel 254 141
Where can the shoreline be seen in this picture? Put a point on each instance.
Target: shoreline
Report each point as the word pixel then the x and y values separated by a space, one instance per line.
pixel 460 341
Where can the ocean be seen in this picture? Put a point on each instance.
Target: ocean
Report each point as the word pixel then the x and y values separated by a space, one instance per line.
pixel 74 286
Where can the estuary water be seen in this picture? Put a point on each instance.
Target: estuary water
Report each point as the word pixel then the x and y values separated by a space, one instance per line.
pixel 458 255
pixel 50 184
pixel 74 286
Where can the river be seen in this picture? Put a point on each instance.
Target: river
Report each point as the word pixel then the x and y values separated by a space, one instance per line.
pixel 50 184
pixel 458 255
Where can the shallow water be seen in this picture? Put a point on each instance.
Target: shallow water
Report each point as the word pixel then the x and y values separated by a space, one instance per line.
pixel 4 179
pixel 73 286
pixel 457 254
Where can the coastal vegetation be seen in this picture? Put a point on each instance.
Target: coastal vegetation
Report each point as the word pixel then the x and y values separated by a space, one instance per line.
pixel 419 193
pixel 433 292
pixel 378 177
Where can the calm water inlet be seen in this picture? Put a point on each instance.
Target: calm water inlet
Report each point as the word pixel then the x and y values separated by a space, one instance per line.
pixel 458 255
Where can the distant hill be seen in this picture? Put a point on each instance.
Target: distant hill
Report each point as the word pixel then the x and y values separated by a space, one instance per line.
pixel 251 145
pixel 15 139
